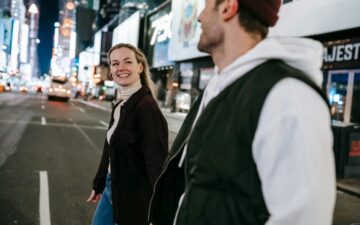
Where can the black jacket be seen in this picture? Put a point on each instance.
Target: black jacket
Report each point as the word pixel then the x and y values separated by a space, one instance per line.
pixel 137 150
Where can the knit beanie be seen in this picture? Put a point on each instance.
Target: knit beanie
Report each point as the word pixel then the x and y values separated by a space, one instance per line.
pixel 264 10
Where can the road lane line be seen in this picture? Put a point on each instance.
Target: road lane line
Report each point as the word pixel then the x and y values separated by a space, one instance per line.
pixel 43 121
pixel 95 105
pixel 104 123
pixel 81 109
pixel 44 209
pixel 51 124
pixel 86 136
pixel 43 107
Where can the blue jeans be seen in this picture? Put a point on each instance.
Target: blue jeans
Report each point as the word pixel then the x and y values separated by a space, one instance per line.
pixel 104 212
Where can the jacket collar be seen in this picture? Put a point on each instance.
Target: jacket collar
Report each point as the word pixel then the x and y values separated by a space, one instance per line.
pixel 135 98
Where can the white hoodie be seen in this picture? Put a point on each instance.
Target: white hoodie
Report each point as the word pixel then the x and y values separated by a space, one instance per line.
pixel 292 147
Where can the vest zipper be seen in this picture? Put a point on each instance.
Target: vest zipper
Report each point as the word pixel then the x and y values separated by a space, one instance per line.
pixel 164 170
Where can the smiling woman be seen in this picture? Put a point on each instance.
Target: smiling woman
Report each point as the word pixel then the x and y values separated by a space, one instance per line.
pixel 135 146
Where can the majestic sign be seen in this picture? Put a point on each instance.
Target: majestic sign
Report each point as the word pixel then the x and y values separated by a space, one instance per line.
pixel 342 53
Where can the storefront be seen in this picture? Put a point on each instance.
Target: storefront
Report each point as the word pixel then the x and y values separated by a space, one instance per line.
pixel 341 68
pixel 336 24
pixel 342 72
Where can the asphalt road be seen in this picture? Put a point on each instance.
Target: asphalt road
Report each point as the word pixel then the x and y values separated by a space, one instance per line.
pixel 64 140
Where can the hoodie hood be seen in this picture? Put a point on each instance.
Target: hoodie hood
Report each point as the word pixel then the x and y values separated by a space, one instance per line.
pixel 300 53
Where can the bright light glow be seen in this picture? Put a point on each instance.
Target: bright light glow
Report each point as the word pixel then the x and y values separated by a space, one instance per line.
pixel 57 24
pixel 37 41
pixel 24 43
pixel 33 9
pixel 70 5
pixel 72 45
pixel 109 83
pixel 15 46
pixel 97 46
pixel 56 38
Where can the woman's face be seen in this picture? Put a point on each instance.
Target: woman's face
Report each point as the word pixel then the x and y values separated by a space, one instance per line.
pixel 124 67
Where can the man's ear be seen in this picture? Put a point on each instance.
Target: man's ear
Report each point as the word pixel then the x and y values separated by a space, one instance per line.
pixel 229 9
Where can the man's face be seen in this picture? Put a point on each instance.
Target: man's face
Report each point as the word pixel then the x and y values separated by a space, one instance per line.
pixel 212 35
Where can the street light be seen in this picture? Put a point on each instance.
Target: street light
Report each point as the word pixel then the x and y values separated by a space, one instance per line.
pixel 33 9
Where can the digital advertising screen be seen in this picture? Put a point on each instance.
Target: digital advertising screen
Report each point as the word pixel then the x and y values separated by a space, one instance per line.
pixel 159 36
pixel 185 30
pixel 307 17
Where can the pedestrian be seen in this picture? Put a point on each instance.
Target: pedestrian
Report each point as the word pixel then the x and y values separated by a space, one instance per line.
pixel 256 147
pixel 135 147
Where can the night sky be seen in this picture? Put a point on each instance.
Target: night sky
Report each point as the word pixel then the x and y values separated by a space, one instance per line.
pixel 49 12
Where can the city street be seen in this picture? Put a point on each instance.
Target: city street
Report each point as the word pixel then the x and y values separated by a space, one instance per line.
pixel 59 143
pixel 62 139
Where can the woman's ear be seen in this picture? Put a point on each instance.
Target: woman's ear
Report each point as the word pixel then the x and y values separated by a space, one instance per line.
pixel 141 67
pixel 229 9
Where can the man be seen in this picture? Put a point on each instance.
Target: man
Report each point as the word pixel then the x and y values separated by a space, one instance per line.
pixel 256 148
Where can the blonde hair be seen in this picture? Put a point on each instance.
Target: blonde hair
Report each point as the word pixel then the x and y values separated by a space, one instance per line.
pixel 145 75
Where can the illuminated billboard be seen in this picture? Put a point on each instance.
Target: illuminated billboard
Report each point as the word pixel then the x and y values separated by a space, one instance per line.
pixel 158 37
pixel 307 17
pixel 185 29
pixel 128 31
pixel 24 43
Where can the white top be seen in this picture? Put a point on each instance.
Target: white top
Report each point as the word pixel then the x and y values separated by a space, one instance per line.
pixel 292 147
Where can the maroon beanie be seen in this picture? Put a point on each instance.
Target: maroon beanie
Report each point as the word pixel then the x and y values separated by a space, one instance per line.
pixel 264 10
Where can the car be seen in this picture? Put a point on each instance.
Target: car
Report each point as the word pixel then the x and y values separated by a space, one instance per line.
pixel 183 101
pixel 59 89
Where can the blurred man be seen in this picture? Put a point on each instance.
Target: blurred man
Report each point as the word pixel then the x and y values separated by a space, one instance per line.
pixel 256 148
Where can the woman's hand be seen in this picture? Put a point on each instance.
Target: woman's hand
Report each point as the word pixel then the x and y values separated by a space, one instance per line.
pixel 93 197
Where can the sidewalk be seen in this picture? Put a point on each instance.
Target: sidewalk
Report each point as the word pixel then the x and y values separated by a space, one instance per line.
pixel 350 186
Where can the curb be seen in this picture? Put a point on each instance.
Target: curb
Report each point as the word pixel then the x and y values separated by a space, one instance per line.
pixel 349 189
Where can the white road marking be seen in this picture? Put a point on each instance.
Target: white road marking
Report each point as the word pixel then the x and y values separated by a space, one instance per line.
pixel 52 124
pixel 43 107
pixel 44 209
pixel 96 106
pixel 86 136
pixel 104 123
pixel 81 109
pixel 43 121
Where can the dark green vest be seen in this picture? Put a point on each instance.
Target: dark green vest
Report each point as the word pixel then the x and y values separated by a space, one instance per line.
pixel 222 184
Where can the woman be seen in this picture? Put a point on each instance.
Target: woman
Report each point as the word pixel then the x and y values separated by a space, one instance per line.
pixel 135 147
